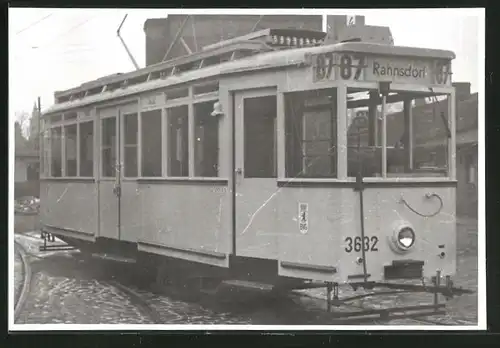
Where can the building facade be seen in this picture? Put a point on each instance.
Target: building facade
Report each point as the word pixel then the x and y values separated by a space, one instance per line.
pixel 181 34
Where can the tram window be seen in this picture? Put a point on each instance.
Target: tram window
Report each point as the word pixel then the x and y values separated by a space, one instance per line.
pixel 87 149
pixel 130 145
pixel 260 137
pixel 206 88
pixel 416 135
pixel 206 140
pixel 429 146
pixel 364 133
pixel 311 134
pixel 70 147
pixel 70 116
pixel 176 93
pixel 45 167
pixel 56 153
pixel 178 146
pixel 108 146
pixel 56 118
pixel 151 143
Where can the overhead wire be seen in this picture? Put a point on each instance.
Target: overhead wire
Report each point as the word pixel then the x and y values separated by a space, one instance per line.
pixel 68 31
pixel 34 23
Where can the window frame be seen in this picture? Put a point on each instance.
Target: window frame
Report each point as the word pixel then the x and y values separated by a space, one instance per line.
pixel 78 116
pixel 164 103
pixel 187 95
pixel 449 92
pixel 335 123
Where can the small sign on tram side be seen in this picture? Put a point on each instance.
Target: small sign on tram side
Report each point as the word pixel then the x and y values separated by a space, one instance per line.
pixel 303 218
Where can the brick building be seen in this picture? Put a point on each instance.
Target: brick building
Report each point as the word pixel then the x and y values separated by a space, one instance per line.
pixel 192 33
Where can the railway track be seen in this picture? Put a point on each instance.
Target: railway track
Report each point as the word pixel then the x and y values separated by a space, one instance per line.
pixel 146 309
pixel 26 283
pixel 132 286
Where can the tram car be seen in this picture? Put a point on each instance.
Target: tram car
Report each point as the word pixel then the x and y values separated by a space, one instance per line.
pixel 276 159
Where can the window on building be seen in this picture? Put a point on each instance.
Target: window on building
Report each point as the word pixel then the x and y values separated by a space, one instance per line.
pixel 206 140
pixel 32 171
pixel 70 149
pixel 151 143
pixel 178 146
pixel 311 134
pixel 56 152
pixel 87 149
pixel 108 147
pixel 130 145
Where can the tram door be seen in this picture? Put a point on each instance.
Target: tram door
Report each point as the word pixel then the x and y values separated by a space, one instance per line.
pixel 115 124
pixel 255 173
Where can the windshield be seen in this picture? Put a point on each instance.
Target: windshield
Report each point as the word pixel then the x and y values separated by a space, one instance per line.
pixel 416 134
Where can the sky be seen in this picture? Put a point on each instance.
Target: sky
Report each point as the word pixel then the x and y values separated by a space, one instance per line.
pixel 57 49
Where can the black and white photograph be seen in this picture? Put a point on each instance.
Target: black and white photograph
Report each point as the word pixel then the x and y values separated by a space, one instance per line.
pixel 246 169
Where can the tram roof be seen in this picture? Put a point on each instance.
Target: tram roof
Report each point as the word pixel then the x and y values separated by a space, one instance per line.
pixel 269 59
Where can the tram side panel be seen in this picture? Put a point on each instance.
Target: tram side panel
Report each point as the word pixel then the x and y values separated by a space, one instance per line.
pixel 70 206
pixel 310 222
pixel 130 211
pixel 325 243
pixel 186 220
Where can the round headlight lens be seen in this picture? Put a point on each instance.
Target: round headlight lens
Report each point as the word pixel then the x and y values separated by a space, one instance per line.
pixel 406 237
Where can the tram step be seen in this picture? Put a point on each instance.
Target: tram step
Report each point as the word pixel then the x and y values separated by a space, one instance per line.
pixel 247 285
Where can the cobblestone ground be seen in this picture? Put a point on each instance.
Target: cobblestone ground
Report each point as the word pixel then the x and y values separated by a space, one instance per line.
pixel 69 291
pixel 65 290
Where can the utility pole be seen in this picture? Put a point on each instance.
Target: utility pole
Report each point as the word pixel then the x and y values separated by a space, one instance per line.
pixel 39 116
pixel 39 143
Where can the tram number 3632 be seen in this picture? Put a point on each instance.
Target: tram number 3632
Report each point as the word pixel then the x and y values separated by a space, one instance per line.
pixel 355 244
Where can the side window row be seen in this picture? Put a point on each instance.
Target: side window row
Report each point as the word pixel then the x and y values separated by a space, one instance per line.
pixel 62 156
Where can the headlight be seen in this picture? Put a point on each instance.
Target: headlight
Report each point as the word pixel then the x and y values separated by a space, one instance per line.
pixel 403 237
pixel 406 238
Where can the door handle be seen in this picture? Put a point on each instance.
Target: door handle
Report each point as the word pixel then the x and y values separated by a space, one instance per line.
pixel 117 190
pixel 239 173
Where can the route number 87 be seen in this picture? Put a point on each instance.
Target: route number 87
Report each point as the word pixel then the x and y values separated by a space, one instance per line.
pixel 347 63
pixel 442 72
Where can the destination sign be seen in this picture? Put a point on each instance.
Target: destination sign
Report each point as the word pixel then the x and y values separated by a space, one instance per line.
pixel 370 68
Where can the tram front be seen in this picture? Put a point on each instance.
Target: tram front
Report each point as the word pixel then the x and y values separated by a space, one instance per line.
pixel 388 208
pixel 400 152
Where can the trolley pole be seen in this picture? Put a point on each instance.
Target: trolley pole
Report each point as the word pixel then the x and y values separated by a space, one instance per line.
pixel 39 121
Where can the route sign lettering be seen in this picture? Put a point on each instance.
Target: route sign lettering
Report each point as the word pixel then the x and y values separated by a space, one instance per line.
pixel 331 66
